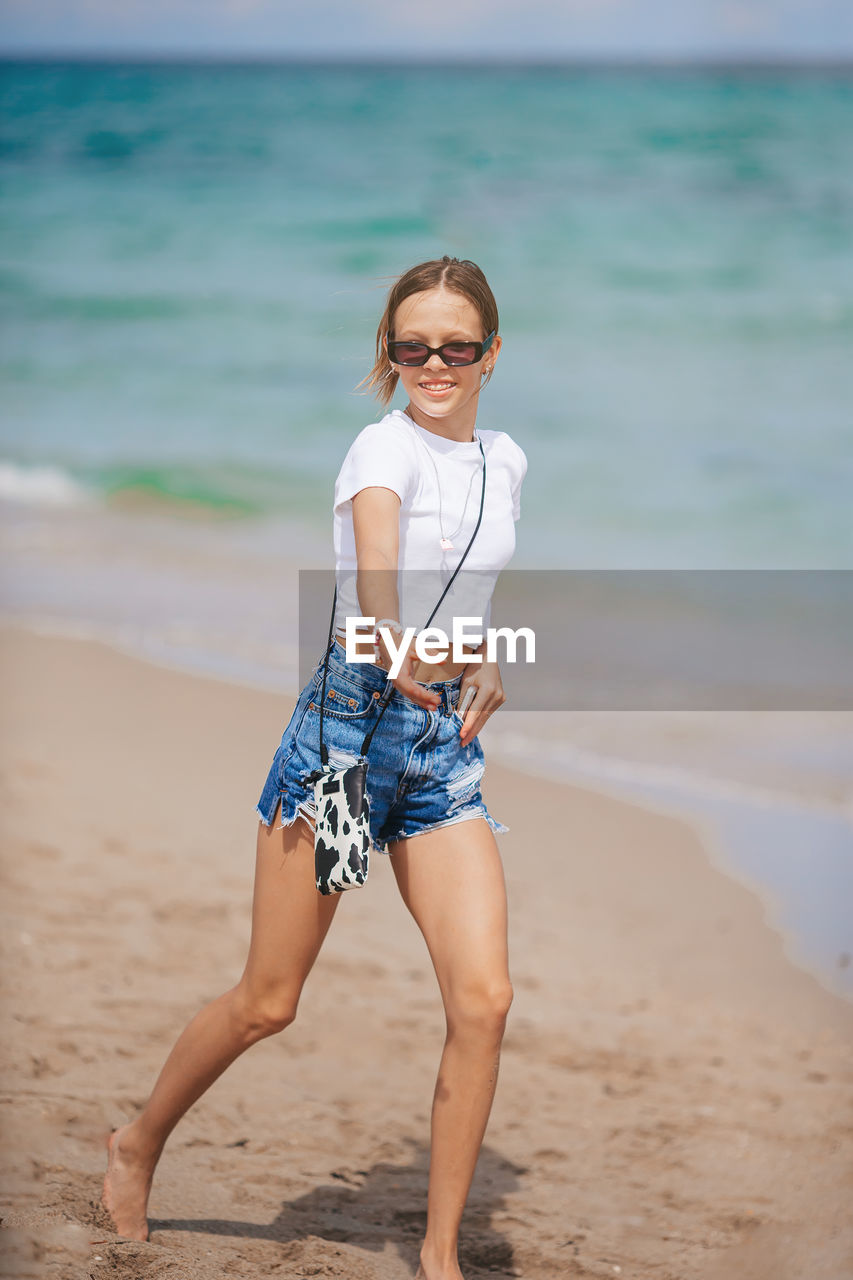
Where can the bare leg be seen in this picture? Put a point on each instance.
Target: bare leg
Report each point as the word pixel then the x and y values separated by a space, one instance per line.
pixel 290 919
pixel 452 881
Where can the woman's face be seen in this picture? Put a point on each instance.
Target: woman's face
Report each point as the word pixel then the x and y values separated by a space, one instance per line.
pixel 445 394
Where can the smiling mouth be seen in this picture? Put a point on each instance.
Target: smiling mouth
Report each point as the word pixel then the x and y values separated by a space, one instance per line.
pixel 436 386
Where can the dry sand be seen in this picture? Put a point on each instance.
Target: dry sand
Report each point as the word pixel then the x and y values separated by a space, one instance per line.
pixel 675 1096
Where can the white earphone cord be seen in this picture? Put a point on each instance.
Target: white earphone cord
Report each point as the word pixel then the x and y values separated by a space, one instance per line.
pixel 446 540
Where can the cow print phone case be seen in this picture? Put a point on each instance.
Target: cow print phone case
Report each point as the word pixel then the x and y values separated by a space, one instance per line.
pixel 342 821
pixel 341 829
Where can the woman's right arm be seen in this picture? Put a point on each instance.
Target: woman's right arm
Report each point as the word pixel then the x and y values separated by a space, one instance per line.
pixel 376 526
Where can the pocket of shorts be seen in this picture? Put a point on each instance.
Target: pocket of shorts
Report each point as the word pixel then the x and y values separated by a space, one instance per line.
pixel 344 699
pixel 456 718
pixel 458 721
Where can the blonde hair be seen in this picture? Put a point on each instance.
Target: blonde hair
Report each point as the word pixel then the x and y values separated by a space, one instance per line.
pixel 460 276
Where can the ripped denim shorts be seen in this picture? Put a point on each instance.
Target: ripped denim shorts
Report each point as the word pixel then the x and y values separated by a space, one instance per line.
pixel 419 776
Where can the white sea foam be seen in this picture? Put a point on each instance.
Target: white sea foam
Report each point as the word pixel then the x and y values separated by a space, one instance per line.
pixel 40 486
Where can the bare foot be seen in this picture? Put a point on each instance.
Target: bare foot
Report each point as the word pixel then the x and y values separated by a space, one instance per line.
pixel 126 1189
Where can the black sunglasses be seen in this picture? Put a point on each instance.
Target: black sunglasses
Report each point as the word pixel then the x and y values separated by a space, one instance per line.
pixel 450 353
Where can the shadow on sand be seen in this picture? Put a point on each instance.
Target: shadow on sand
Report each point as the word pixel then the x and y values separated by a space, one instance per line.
pixel 384 1204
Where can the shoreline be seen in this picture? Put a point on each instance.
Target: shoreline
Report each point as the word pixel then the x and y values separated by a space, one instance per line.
pixel 663 1059
pixel 720 812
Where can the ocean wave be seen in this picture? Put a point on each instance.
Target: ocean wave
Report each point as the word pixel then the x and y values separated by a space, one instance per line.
pixel 216 490
pixel 40 486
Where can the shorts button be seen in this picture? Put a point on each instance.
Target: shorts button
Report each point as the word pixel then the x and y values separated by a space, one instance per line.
pixel 352 702
pixel 331 693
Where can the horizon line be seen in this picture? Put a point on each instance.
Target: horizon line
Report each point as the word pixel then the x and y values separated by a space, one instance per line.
pixel 711 61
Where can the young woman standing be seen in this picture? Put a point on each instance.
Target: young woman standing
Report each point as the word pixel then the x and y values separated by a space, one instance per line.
pixel 407 500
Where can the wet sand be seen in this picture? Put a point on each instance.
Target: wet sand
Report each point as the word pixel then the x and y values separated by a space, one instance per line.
pixel 675 1096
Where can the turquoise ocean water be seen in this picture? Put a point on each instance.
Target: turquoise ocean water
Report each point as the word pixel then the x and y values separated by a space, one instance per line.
pixel 193 260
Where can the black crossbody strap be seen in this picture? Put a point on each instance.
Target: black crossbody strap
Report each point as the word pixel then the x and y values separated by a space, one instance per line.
pixel 389 688
pixel 388 692
pixel 324 753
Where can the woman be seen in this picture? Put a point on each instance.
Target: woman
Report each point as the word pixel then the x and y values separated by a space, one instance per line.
pixel 407 501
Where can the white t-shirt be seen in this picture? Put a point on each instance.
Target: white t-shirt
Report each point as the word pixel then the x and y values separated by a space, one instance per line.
pixel 430 473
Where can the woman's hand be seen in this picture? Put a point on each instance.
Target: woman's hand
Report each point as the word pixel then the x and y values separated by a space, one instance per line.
pixel 485 678
pixel 405 680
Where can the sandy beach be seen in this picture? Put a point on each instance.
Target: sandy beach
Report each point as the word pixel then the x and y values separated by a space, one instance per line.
pixel 675 1096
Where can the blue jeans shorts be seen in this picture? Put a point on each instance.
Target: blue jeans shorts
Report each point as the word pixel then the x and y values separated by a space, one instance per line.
pixel 419 776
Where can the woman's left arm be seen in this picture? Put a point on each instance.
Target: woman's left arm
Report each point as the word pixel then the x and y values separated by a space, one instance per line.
pixel 485 678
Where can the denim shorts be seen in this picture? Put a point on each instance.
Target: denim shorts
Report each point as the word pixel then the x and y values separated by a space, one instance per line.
pixel 419 776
